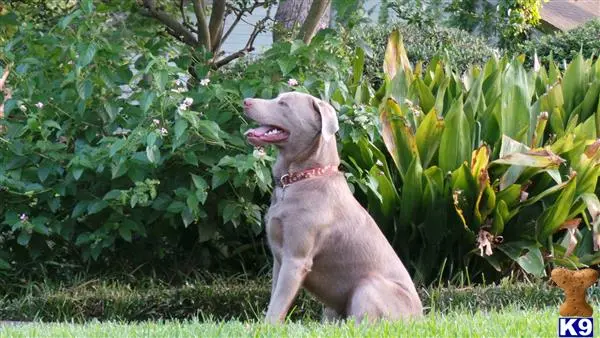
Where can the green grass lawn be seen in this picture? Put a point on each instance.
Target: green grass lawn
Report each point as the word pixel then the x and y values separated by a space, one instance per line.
pixel 509 323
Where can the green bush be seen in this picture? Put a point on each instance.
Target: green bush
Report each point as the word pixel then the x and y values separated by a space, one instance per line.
pixel 243 300
pixel 109 152
pixel 565 45
pixel 461 48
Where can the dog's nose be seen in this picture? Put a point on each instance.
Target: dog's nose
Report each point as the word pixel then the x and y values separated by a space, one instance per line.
pixel 247 103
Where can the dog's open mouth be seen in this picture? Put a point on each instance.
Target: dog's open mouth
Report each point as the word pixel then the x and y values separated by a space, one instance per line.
pixel 266 134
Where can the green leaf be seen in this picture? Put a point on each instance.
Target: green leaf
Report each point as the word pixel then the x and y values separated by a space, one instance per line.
pixel 395 56
pixel 153 154
pixel 125 233
pixel 176 207
pixel 210 130
pixel 190 158
pixel 455 147
pixel 429 136
pixel 161 78
pixel 77 172
pixel 9 19
pixel 43 173
pixel 187 217
pixel 531 261
pixel 552 218
pixel 573 85
pixel 4 265
pixel 412 192
pixel 87 6
pixel 112 195
pixel 181 126
pixel 65 21
pixel 115 147
pixel 24 237
pixel 151 139
pixel 146 100
pixel 84 89
pixel 52 124
pixel 96 206
pixel 287 65
pixel 79 209
pixel 514 115
pixel 86 54
pixel 426 98
pixel 397 136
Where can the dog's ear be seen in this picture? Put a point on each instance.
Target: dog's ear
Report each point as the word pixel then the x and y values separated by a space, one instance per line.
pixel 329 121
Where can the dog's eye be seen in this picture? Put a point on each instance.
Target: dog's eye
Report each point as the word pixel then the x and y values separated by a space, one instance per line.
pixel 282 103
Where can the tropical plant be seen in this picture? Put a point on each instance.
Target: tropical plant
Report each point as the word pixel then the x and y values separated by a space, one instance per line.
pixel 495 167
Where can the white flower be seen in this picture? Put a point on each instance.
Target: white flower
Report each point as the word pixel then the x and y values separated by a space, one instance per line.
pixel 188 101
pixel 39 105
pixel 156 122
pixel 23 108
pixel 204 82
pixel 164 131
pixel 292 82
pixel 183 107
pixel 23 218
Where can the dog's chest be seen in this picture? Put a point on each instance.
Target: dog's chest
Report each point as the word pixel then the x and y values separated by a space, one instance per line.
pixel 274 222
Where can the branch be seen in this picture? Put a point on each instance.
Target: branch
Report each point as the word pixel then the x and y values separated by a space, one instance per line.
pixel 203 32
pixel 258 28
pixel 175 28
pixel 233 24
pixel 186 23
pixel 239 15
pixel 217 19
pixel 311 24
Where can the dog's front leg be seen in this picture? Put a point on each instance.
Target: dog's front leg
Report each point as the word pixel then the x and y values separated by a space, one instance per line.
pixel 276 268
pixel 289 280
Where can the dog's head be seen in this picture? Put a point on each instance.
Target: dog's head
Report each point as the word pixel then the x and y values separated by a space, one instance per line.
pixel 293 118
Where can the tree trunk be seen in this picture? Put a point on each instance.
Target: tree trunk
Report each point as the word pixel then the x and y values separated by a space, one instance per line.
pixel 293 13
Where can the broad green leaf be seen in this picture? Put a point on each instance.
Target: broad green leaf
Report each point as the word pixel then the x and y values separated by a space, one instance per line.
pixel 87 6
pixel 455 147
pixel 573 85
pixel 397 136
pixel 84 89
pixel 358 66
pixel 429 136
pixel 24 237
pixel 180 127
pixel 514 116
pixel 395 56
pixel 543 158
pixel 527 255
pixel 86 54
pixel 384 190
pixel 146 100
pixel 210 130
pixel 115 147
pixel 412 192
pixel 552 218
pixel 153 154
pixel 96 206
pixel 426 98
pixel 125 233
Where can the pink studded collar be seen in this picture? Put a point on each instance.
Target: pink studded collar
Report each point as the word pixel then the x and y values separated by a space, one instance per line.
pixel 294 177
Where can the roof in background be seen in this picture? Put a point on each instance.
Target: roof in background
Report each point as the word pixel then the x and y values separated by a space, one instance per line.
pixel 568 14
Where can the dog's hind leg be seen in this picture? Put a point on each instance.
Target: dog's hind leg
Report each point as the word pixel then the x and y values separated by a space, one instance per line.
pixel 377 298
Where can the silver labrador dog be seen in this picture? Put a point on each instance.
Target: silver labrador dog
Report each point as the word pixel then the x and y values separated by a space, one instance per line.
pixel 321 238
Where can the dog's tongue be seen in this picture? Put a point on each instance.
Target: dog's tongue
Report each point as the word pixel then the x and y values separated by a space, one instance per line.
pixel 256 132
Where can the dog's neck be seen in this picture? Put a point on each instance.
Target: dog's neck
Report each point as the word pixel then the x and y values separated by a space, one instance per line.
pixel 320 154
